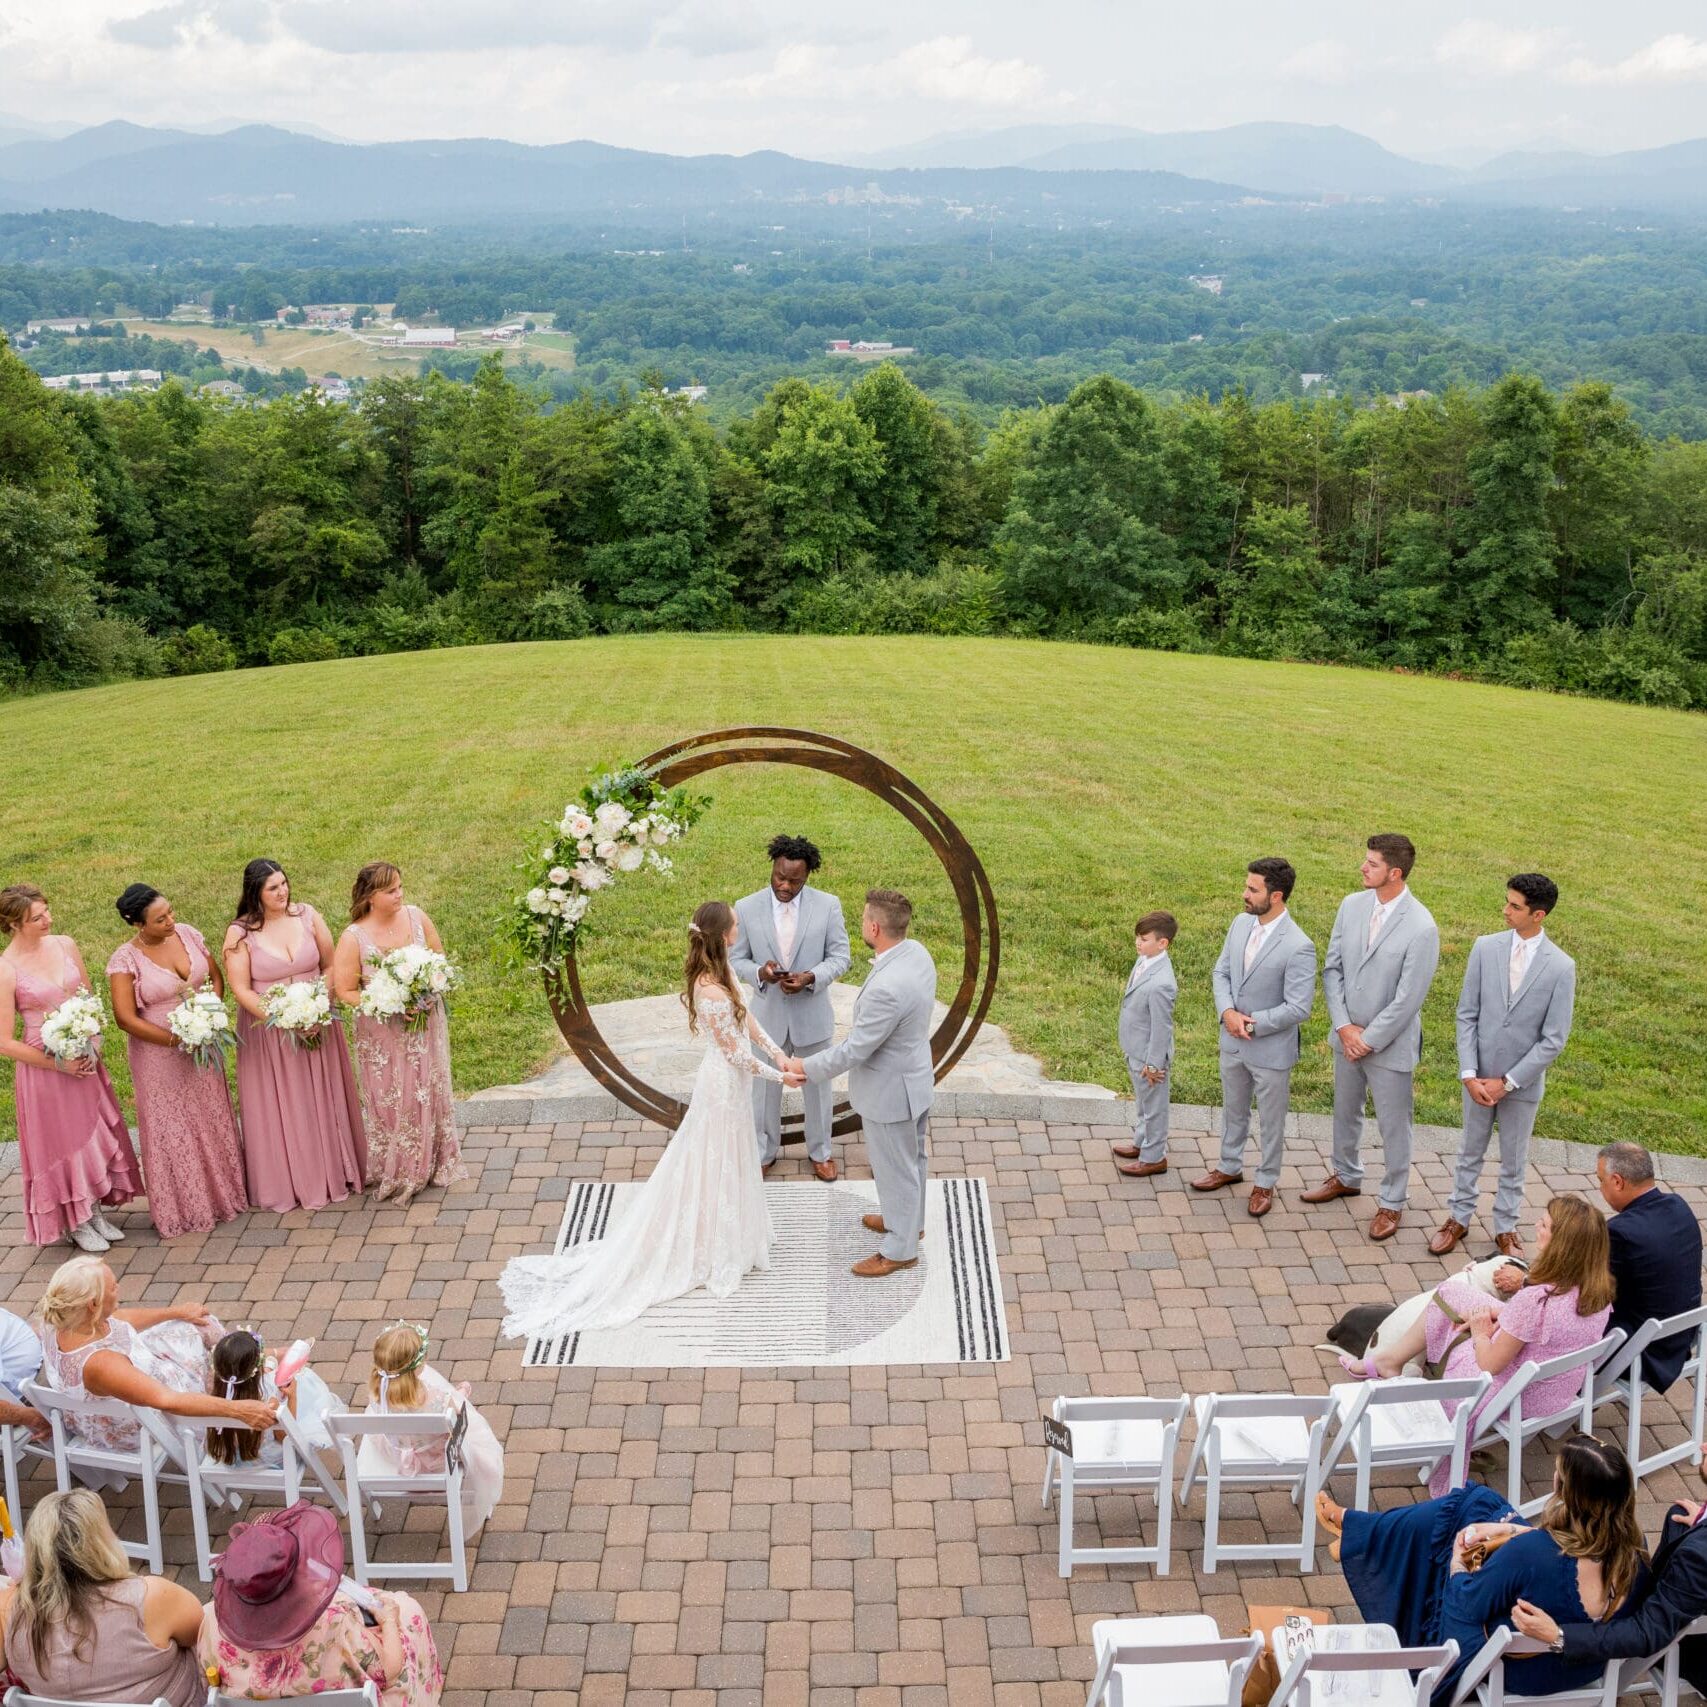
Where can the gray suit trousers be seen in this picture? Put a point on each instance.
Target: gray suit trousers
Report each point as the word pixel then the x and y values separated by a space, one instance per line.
pixel 1271 1089
pixel 899 1166
pixel 1516 1121
pixel 819 1099
pixel 1390 1090
pixel 1150 1126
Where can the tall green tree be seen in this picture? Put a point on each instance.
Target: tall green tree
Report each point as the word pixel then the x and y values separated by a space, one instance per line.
pixel 903 505
pixel 821 467
pixel 1510 565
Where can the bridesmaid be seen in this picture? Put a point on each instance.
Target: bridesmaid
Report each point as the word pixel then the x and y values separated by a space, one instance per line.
pixel 74 1149
pixel 404 1074
pixel 302 1125
pixel 192 1158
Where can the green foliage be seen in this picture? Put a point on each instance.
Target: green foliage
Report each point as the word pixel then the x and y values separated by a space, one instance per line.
pixel 301 646
pixel 953 599
pixel 198 651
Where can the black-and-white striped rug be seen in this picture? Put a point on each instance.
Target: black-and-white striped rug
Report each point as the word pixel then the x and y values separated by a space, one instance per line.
pixel 806 1308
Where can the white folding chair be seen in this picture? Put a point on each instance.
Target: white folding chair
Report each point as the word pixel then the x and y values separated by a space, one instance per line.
pixel 1619 1380
pixel 1673 1687
pixel 1179 1662
pixel 1254 1440
pixel 348 1429
pixel 16 1697
pixel 1118 1444
pixel 1320 1676
pixel 231 1484
pixel 366 1696
pixel 1403 1422
pixel 1507 1418
pixel 1486 1683
pixel 15 1447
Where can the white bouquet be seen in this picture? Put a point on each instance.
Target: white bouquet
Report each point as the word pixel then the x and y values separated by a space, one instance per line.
pixel 202 1027
pixel 303 1009
pixel 73 1030
pixel 407 984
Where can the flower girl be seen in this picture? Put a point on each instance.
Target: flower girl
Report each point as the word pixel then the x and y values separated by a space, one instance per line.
pixel 403 1380
pixel 243 1370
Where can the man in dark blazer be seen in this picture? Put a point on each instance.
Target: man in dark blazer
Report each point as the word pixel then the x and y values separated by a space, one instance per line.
pixel 1656 1256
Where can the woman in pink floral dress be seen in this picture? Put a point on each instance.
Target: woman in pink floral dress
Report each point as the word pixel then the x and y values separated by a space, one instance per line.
pixel 404 1073
pixel 73 1145
pixel 192 1158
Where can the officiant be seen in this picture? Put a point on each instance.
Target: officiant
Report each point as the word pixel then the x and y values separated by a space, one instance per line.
pixel 792 947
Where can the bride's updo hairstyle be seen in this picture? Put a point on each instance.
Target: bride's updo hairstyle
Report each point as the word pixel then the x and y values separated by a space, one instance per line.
pixel 708 957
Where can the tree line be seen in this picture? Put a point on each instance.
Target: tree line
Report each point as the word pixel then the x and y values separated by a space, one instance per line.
pixel 1513 533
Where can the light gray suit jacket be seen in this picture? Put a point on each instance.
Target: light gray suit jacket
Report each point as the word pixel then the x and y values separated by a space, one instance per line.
pixel 887 1053
pixel 1515 1037
pixel 820 946
pixel 1147 1015
pixel 1382 989
pixel 1278 991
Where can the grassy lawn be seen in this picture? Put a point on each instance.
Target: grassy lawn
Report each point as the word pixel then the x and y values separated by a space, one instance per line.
pixel 1095 784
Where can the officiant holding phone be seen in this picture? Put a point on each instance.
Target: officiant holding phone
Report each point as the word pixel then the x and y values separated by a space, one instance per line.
pixel 792 947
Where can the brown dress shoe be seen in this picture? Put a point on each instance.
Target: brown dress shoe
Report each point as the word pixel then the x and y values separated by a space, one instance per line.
pixel 1214 1180
pixel 1126 1152
pixel 1385 1224
pixel 1330 1188
pixel 765 1167
pixel 826 1170
pixel 874 1224
pixel 876 1266
pixel 1508 1244
pixel 1445 1241
pixel 1261 1200
pixel 1143 1170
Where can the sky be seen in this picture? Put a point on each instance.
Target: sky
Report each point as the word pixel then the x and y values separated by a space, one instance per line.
pixel 835 81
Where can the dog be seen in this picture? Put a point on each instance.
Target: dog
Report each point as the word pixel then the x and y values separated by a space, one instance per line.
pixel 1369 1327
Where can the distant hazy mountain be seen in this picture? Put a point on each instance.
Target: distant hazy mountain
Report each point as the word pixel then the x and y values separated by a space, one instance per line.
pixel 1672 176
pixel 13 128
pixel 1017 145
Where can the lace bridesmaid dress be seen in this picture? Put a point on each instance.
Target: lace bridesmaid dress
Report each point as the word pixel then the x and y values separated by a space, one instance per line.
pixel 404 1078
pixel 74 1149
pixel 192 1158
pixel 302 1123
pixel 700 1220
pixel 176 1354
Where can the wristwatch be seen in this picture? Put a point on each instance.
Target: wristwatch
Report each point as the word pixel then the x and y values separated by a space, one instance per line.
pixel 1557 1645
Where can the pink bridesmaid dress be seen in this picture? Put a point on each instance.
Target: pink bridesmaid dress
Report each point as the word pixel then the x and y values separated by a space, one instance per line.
pixel 192 1158
pixel 302 1125
pixel 406 1095
pixel 74 1150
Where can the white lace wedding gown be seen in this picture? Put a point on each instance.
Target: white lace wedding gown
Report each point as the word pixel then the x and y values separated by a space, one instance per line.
pixel 700 1220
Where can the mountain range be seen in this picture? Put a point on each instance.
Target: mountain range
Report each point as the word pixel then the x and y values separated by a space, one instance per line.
pixel 256 174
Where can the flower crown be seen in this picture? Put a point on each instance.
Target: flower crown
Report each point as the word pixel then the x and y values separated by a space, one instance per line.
pixel 420 1357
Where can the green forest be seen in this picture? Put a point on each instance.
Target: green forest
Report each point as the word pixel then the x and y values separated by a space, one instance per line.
pixel 1515 532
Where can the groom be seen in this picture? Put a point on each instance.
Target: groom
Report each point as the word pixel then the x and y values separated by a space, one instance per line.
pixel 887 1057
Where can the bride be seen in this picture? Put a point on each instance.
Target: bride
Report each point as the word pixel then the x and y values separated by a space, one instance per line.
pixel 700 1220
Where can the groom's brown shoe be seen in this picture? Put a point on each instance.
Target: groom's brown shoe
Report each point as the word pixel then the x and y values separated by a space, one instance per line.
pixel 874 1224
pixel 826 1170
pixel 877 1265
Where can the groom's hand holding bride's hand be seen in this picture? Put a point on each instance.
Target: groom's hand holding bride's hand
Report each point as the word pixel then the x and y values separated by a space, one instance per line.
pixel 793 1071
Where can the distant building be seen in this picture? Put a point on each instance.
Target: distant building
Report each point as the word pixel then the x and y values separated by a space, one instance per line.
pixel 429 338
pixel 1400 398
pixel 1419 302
pixel 687 393
pixel 113 382
pixel 333 389
pixel 1211 282
pixel 223 388
pixel 505 334
pixel 1195 338
pixel 867 349
pixel 70 327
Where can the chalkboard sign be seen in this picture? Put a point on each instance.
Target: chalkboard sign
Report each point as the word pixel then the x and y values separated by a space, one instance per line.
pixel 454 1459
pixel 1058 1437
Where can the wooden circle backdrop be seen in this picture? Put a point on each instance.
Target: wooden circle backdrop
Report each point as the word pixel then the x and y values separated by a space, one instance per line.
pixel 980 932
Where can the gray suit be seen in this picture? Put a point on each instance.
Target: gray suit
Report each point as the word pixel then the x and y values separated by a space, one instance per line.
pixel 1381 989
pixel 1515 1037
pixel 887 1057
pixel 1147 1040
pixel 1278 992
pixel 802 1024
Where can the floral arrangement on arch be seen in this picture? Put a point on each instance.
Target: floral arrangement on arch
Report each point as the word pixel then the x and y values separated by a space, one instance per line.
pixel 619 823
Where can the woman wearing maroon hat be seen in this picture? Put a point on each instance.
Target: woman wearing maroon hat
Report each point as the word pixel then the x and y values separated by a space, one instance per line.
pixel 279 1626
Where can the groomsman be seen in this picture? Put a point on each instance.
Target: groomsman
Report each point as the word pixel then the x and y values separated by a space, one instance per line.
pixel 1147 1042
pixel 1514 1019
pixel 1381 960
pixel 792 947
pixel 1265 986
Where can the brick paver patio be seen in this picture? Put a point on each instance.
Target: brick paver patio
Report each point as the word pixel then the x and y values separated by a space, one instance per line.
pixel 839 1536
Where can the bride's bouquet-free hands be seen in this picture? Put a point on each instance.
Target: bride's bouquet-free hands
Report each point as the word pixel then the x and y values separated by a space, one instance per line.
pixel 72 1032
pixel 407 984
pixel 301 1009
pixel 202 1027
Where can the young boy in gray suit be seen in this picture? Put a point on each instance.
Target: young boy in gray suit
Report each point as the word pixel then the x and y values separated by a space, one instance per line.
pixel 1147 1042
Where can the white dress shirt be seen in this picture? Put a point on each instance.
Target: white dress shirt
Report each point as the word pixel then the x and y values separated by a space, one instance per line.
pixel 1253 945
pixel 785 920
pixel 1523 951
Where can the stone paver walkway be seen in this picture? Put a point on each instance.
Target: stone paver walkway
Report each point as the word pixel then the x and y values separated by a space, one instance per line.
pixel 858 1536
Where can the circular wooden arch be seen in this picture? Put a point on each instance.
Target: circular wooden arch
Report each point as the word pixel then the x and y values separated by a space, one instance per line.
pixel 980 932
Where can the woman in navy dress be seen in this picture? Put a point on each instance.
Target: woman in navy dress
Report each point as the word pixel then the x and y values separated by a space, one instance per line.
pixel 1408 1567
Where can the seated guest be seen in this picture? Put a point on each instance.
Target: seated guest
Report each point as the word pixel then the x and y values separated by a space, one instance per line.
pixel 281 1625
pixel 20 1361
pixel 1656 1256
pixel 1454 1568
pixel 1563 1307
pixel 243 1370
pixel 80 1627
pixel 1673 1595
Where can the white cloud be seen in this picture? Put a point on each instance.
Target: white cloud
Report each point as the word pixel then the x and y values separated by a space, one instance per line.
pixel 1675 58
pixel 1326 61
pixel 946 69
pixel 1491 50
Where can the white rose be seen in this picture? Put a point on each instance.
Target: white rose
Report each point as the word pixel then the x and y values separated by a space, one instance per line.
pixel 576 823
pixel 537 902
pixel 575 908
pixel 591 876
pixel 611 817
pixel 557 895
pixel 559 874
pixel 637 832
pixel 606 852
pixel 584 847
pixel 630 858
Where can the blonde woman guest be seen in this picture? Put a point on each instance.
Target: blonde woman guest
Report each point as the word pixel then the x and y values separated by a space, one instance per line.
pixel 93 1349
pixel 302 1123
pixel 79 1627
pixel 192 1158
pixel 74 1148
pixel 404 1073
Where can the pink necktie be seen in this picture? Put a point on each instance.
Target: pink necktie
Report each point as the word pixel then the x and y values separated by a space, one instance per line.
pixel 1376 920
pixel 1517 957
pixel 1252 945
pixel 785 932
